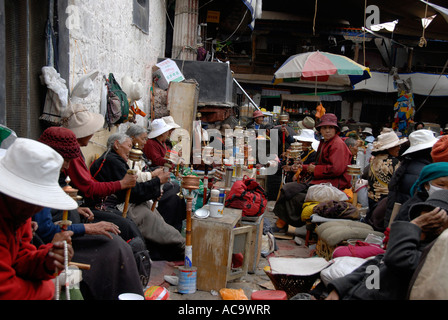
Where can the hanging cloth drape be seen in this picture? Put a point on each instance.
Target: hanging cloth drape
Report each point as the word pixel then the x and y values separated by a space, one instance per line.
pixel 51 40
pixel 57 95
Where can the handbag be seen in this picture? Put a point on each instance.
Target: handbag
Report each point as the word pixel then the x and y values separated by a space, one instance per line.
pixel 248 195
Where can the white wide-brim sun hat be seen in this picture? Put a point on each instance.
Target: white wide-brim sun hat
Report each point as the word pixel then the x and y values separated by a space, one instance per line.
pixel 29 171
pixel 82 122
pixel 386 141
pixel 306 135
pixel 169 120
pixel 420 140
pixel 158 127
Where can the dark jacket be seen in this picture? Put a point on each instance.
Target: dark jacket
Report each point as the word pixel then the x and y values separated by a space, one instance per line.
pixel 115 168
pixel 401 183
pixel 392 271
pixel 403 214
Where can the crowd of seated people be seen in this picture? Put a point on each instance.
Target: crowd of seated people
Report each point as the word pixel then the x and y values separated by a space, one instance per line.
pixel 412 172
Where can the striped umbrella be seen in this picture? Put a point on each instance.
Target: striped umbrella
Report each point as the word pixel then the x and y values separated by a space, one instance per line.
pixel 321 67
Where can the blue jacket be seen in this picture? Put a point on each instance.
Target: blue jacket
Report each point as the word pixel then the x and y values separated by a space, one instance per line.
pixel 47 229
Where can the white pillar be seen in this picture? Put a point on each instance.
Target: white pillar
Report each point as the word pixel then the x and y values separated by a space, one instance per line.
pixel 185 30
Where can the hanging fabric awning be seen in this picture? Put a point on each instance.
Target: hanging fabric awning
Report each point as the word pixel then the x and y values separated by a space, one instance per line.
pixel 443 11
pixel 255 8
pixel 422 83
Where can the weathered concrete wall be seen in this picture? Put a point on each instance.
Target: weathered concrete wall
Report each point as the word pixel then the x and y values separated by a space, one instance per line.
pixel 102 37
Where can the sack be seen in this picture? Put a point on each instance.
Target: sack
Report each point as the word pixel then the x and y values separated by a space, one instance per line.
pixel 324 192
pixel 248 195
pixel 117 102
pixel 142 259
pixel 340 267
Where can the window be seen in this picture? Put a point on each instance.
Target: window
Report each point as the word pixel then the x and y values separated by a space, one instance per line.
pixel 141 15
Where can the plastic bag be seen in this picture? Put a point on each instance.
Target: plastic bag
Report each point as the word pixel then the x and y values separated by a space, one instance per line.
pixel 340 267
pixel 324 192
pixel 233 294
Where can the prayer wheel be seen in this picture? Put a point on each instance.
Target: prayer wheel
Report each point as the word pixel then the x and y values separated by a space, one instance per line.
pixel 189 183
pixel 283 118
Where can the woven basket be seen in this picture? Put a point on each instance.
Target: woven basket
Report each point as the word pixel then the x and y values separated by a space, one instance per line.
pixel 292 284
pixel 324 250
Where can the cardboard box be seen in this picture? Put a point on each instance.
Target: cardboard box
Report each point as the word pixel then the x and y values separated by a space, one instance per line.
pixel 165 72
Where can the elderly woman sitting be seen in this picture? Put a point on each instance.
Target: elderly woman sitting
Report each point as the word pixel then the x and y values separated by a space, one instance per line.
pixel 381 169
pixel 171 206
pixel 161 238
pixel 415 158
pixel 155 148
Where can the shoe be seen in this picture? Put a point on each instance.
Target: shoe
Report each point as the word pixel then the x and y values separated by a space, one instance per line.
pixel 299 241
pixel 277 230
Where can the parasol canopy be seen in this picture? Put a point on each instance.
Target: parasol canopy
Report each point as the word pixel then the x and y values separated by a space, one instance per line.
pixel 321 67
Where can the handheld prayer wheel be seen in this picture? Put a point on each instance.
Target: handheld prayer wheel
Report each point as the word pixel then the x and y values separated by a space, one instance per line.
pixel 189 183
pixel 179 150
pixel 134 155
pixel 296 151
pixel 283 118
pixel 354 171
pixel 296 146
pixel 73 193
pixel 207 154
pixel 295 154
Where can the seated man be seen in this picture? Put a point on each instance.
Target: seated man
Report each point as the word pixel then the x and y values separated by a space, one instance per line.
pixel 29 173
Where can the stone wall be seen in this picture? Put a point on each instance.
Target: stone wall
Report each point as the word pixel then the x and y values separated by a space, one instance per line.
pixel 102 37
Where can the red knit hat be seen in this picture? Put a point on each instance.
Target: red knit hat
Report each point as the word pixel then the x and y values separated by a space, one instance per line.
pixel 439 151
pixel 62 140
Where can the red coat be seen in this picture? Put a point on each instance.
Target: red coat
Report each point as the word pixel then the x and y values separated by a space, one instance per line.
pixel 332 159
pixel 155 151
pixel 22 273
pixel 82 180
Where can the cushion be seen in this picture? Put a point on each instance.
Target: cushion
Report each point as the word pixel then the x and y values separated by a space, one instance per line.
pixel 334 232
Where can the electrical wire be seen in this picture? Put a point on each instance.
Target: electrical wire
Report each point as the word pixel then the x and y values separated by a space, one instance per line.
pixel 245 13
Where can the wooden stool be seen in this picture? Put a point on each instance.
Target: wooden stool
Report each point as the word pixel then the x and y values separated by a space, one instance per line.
pixel 214 241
